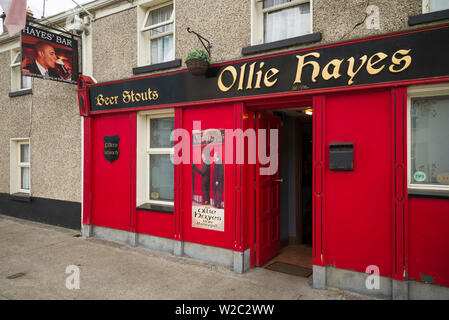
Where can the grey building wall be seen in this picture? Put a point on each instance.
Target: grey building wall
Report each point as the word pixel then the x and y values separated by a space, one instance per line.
pixel 340 20
pixel 55 141
pixel 226 24
pixel 49 117
pixel 114 46
pixel 14 119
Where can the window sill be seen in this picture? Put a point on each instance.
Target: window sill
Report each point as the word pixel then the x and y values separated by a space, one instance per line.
pixel 155 208
pixel 20 92
pixel 20 196
pixel 157 66
pixel 434 194
pixel 308 38
pixel 428 17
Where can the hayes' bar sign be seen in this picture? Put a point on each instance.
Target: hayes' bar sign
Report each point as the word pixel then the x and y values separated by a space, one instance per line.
pixel 49 55
pixel 415 55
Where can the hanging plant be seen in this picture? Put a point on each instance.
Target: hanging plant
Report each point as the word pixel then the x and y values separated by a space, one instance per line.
pixel 197 62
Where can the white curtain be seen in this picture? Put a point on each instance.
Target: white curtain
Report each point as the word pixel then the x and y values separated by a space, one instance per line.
pixel 162 49
pixel 287 23
pixel 159 15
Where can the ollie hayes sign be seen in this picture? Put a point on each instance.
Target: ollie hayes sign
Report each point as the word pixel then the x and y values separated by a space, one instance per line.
pixel 414 55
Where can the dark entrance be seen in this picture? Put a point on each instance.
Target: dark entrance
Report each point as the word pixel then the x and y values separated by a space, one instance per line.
pixel 295 191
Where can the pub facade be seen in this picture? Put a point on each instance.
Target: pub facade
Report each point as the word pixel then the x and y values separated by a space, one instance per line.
pixel 327 131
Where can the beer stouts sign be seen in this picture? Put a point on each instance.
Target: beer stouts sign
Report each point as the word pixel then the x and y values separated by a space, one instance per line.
pixel 49 55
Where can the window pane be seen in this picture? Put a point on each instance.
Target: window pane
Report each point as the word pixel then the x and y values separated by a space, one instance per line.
pixel 429 141
pixel 162 49
pixel 287 23
pixel 160 130
pixel 159 15
pixel 25 178
pixel 166 28
pixel 437 5
pixel 26 82
pixel 161 177
pixel 25 153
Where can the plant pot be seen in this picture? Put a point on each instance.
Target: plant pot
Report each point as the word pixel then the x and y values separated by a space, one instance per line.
pixel 197 67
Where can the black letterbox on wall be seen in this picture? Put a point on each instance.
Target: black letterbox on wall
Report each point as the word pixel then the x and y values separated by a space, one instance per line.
pixel 341 156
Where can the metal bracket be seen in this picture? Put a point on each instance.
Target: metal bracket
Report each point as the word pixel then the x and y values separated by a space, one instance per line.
pixel 202 39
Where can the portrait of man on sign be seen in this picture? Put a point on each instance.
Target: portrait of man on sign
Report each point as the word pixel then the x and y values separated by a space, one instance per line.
pixel 47 63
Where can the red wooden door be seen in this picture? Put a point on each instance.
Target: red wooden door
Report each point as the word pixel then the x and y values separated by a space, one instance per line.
pixel 111 189
pixel 268 241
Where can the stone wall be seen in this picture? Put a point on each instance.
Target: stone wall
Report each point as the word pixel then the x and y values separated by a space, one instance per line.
pixel 226 24
pixel 114 46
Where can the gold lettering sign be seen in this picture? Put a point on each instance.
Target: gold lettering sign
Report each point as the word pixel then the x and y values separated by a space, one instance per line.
pixel 351 72
pixel 268 77
pixel 334 69
pixel 397 61
pixel 127 97
pixel 301 65
pixel 233 72
pixel 372 62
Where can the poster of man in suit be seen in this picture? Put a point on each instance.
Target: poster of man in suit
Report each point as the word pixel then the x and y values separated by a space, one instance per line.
pixel 208 180
pixel 48 55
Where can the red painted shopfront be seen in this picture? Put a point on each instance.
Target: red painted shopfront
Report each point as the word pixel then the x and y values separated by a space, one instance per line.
pixel 360 93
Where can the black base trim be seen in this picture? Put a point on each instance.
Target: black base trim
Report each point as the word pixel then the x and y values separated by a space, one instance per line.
pixel 60 213
pixel 158 66
pixel 155 208
pixel 428 17
pixel 20 93
pixel 433 194
pixel 308 38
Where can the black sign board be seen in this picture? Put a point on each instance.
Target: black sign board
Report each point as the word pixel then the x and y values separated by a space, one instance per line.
pixel 49 55
pixel 408 56
pixel 111 148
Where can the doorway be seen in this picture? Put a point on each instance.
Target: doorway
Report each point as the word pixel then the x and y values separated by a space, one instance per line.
pixel 294 194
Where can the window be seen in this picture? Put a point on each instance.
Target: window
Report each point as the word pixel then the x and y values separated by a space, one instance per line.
pixel 155 169
pixel 157 34
pixel 274 20
pixel 18 82
pixel 435 5
pixel 20 166
pixel 428 138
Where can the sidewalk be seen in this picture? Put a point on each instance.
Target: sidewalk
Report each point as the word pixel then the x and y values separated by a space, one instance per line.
pixel 34 257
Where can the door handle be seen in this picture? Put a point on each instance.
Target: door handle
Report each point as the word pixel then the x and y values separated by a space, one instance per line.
pixel 279 180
